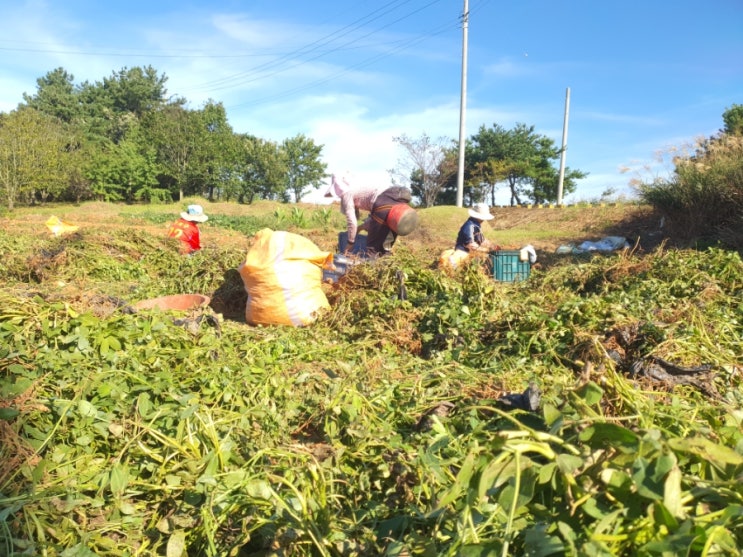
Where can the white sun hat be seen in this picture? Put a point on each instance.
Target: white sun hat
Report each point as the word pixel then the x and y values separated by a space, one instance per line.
pixel 339 184
pixel 194 213
pixel 480 211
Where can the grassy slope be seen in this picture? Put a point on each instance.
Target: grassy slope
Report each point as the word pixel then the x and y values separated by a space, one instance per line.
pixel 544 228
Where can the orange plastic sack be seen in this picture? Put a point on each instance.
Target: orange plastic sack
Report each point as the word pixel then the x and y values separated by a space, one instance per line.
pixel 282 274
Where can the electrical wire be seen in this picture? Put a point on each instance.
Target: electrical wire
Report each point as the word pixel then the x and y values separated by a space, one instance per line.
pixel 312 85
pixel 253 75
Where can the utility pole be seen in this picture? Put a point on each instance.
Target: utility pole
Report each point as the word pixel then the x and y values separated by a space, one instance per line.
pixel 564 147
pixel 462 105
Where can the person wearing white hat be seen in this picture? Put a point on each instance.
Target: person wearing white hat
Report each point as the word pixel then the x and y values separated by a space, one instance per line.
pixel 470 238
pixel 186 229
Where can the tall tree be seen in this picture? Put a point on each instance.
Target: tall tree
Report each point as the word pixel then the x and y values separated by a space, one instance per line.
pixel 519 158
pixel 126 171
pixel 262 170
pixel 217 150
pixel 115 105
pixel 304 169
pixel 32 147
pixel 135 90
pixel 56 96
pixel 426 166
pixel 175 132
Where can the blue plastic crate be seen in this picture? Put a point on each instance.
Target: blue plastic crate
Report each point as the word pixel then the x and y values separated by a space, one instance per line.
pixel 508 267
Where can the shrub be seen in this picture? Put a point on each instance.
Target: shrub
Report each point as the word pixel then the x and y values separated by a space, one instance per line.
pixel 703 201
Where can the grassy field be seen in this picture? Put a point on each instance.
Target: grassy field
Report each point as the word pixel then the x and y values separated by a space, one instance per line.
pixel 389 426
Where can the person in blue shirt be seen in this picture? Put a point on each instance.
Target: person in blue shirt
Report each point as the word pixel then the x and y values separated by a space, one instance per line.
pixel 470 238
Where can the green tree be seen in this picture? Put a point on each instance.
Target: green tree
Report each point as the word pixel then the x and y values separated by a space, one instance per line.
pixel 136 90
pixel 126 171
pixel 174 132
pixel 519 158
pixel 217 151
pixel 113 106
pixel 262 170
pixel 32 149
pixel 304 169
pixel 56 96
pixel 733 119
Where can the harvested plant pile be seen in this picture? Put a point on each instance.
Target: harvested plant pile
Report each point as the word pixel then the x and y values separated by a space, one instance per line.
pixel 382 429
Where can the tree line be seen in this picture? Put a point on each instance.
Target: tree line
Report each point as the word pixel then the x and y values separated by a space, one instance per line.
pixel 518 160
pixel 123 138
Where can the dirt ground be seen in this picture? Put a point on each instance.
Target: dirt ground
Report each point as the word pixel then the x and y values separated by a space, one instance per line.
pixel 574 224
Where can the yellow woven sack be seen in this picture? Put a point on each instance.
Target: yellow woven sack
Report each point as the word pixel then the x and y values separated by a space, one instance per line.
pixel 282 274
pixel 58 227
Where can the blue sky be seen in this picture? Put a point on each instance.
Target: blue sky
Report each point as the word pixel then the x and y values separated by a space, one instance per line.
pixel 645 77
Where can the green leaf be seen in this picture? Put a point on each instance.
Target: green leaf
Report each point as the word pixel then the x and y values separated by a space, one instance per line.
pixel 119 478
pixel 662 516
pixel 707 450
pixel 591 393
pixel 477 550
pixel 539 543
pixel 8 414
pixel 592 509
pixel 461 482
pixel 602 434
pixel 176 544
pixel 672 493
pixel 617 480
pixel 648 486
pixel 78 550
pixel 547 472
pixel 144 405
pixel 551 413
pixel 569 464
pixel 259 489
pixel 20 386
pixel 86 408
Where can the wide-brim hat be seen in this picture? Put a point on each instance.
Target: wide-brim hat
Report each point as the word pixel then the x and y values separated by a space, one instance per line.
pixel 402 219
pixel 194 213
pixel 480 211
pixel 339 184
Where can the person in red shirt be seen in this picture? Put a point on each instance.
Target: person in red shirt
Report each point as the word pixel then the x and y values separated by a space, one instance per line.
pixel 186 229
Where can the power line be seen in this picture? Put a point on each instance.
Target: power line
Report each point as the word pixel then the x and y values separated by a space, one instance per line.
pixel 246 77
pixel 367 62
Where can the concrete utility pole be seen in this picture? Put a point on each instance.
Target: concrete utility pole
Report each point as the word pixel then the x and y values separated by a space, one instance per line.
pixel 564 147
pixel 462 105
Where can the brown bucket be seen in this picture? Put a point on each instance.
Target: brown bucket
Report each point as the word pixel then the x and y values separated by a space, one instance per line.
pixel 402 219
pixel 174 302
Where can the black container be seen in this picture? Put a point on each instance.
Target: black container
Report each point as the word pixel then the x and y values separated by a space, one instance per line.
pixel 359 247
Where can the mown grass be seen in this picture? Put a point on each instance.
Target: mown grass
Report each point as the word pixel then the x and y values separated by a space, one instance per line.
pixel 381 429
